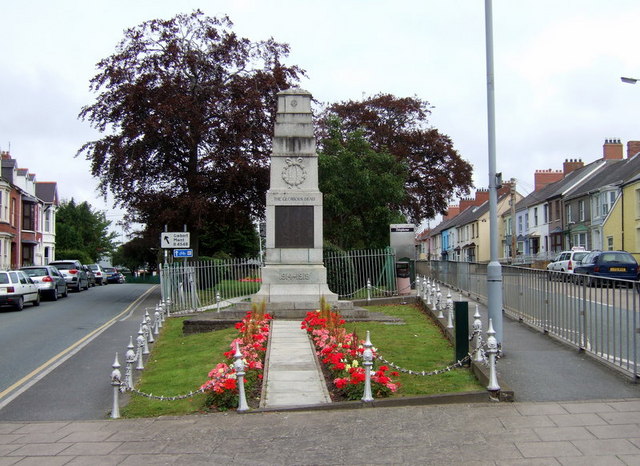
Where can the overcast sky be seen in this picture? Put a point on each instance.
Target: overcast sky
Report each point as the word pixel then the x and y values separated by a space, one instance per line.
pixel 557 71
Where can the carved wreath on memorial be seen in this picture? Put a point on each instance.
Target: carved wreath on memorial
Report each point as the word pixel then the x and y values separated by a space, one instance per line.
pixel 294 172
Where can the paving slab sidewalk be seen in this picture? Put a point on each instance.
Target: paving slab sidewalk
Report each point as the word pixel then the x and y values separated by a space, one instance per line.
pixel 292 375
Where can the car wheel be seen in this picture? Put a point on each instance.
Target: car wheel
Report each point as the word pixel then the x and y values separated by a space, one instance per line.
pixel 19 304
pixel 54 294
pixel 65 293
pixel 37 301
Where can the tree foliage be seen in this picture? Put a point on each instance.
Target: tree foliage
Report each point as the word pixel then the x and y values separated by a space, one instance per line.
pixel 187 110
pixel 399 126
pixel 362 189
pixel 139 253
pixel 79 227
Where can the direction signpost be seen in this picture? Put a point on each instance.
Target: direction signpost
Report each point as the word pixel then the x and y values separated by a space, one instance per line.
pixel 175 240
pixel 183 253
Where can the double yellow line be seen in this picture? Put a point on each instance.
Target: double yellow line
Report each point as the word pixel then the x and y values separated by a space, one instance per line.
pixel 54 361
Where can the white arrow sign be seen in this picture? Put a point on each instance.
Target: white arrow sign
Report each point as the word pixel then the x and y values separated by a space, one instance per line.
pixel 175 240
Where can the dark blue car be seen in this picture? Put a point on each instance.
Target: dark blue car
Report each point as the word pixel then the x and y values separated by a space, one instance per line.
pixel 607 264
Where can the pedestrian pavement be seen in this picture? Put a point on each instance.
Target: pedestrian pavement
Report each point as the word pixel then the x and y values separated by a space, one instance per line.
pixel 293 377
pixel 521 433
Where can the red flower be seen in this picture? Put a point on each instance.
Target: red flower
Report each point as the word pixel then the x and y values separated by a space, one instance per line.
pixel 230 384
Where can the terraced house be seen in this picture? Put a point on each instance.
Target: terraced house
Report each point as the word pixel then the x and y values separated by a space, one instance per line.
pixel 27 216
pixel 595 206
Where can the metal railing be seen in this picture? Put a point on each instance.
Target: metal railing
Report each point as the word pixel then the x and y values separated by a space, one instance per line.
pixel 201 285
pixel 198 286
pixel 598 316
pixel 348 272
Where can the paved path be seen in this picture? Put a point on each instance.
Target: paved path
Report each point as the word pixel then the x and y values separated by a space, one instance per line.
pixel 554 433
pixel 293 377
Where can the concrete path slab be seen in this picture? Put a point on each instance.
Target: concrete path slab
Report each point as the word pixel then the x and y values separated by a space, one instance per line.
pixel 292 376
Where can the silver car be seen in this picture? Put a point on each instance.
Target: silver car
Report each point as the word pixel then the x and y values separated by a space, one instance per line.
pixel 73 272
pixel 50 281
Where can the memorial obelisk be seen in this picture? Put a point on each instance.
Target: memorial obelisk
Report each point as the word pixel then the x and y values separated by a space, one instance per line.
pixel 294 276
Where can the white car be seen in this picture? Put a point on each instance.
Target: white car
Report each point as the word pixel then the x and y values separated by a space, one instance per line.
pixel 566 261
pixel 16 289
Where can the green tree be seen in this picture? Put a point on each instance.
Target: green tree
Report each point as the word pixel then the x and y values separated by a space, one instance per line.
pixel 80 228
pixel 400 126
pixel 188 109
pixel 363 190
pixel 138 253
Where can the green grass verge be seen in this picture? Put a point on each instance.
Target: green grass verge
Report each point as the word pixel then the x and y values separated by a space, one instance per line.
pixel 417 345
pixel 179 364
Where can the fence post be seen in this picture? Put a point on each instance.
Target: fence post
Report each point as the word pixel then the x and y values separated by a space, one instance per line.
pixel 367 357
pixel 116 382
pixel 492 351
pixel 238 365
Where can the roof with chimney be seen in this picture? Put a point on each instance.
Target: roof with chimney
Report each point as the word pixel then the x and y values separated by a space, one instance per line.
pixel 614 173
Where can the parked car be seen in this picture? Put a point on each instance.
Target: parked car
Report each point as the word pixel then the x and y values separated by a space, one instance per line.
pixel 99 274
pixel 113 276
pixel 91 278
pixel 73 273
pixel 566 261
pixel 16 289
pixel 49 280
pixel 599 265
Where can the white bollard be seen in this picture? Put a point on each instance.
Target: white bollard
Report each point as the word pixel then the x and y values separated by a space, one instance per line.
pixel 477 329
pixel 367 357
pixel 368 290
pixel 156 323
pixel 140 341
pixel 439 303
pixel 449 311
pixel 130 358
pixel 145 333
pixel 218 301
pixel 492 351
pixel 116 382
pixel 238 365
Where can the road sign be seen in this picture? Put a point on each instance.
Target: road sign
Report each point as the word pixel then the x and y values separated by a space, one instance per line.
pixel 183 253
pixel 175 240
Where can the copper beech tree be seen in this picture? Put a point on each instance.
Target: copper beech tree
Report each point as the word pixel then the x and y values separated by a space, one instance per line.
pixel 399 126
pixel 186 110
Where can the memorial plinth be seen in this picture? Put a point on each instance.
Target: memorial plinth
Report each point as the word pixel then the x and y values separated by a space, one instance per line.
pixel 294 274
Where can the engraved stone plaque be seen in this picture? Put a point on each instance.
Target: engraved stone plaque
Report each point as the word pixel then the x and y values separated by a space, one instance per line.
pixel 294 226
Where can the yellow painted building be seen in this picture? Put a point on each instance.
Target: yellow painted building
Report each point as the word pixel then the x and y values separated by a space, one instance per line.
pixel 621 229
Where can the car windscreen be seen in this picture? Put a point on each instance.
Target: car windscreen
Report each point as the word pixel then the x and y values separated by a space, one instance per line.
pixel 65 266
pixel 4 278
pixel 578 256
pixel 621 258
pixel 36 272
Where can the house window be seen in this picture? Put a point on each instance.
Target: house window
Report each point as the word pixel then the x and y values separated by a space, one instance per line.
pixel 14 218
pixel 637 203
pixel 545 213
pixel 595 207
pixel 47 221
pixel 608 199
pixel 557 210
pixel 520 225
pixel 28 220
pixel 581 210
pixel 609 243
pixel 569 214
pixel 535 216
pixel 580 239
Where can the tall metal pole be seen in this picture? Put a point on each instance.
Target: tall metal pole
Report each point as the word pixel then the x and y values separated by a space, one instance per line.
pixel 494 269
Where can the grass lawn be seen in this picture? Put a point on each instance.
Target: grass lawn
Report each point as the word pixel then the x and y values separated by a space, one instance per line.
pixel 179 364
pixel 417 345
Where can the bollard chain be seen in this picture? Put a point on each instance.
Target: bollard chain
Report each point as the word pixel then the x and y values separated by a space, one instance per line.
pixel 166 398
pixel 455 365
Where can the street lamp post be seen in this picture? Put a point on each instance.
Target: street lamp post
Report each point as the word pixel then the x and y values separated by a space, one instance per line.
pixel 494 269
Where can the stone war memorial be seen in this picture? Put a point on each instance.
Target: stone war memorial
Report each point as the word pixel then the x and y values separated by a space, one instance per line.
pixel 294 276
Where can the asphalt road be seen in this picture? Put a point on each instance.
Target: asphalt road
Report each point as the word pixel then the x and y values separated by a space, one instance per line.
pixel 57 358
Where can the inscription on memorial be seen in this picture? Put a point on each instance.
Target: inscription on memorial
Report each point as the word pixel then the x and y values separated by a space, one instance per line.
pixel 294 226
pixel 295 277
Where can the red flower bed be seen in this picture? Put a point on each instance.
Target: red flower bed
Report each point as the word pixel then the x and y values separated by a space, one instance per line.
pixel 252 340
pixel 341 353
